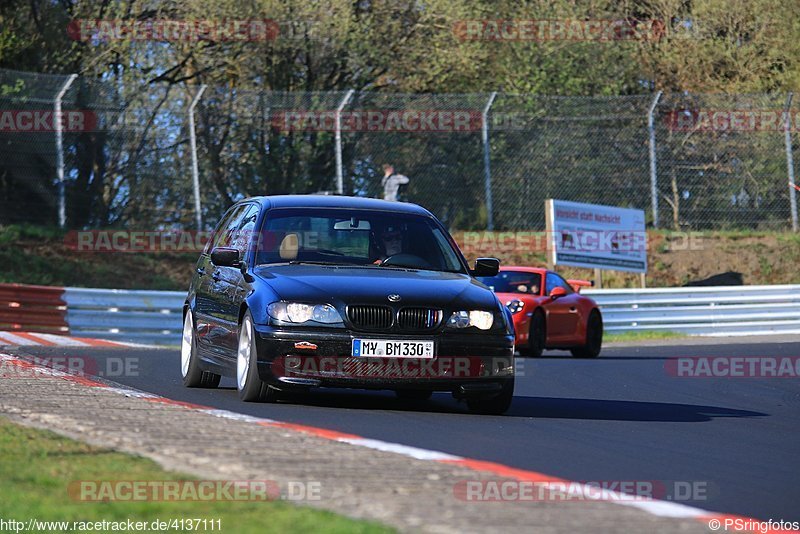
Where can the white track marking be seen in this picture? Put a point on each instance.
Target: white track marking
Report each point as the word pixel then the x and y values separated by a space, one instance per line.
pixel 13 339
pixel 225 414
pixel 133 393
pixel 666 509
pixel 413 452
pixel 61 340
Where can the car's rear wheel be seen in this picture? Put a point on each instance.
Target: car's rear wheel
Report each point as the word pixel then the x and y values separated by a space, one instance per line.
pixel 193 376
pixel 497 405
pixel 251 387
pixel 537 336
pixel 594 337
pixel 414 394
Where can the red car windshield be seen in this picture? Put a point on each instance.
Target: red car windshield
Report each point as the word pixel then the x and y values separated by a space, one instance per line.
pixel 514 282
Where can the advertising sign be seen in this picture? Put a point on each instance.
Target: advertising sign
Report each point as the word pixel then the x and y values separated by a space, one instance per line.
pixel 595 236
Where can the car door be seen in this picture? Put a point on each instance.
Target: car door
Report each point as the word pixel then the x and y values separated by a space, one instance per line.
pixel 215 314
pixel 231 287
pixel 562 313
pixel 203 290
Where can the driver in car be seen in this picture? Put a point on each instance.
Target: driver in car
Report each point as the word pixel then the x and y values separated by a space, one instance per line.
pixel 391 242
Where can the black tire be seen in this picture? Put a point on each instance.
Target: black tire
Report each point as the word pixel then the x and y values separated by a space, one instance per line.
pixel 537 337
pixel 594 337
pixel 414 394
pixel 250 386
pixel 193 375
pixel 497 405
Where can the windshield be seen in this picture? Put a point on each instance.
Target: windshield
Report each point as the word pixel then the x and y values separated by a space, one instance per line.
pixel 513 282
pixel 355 237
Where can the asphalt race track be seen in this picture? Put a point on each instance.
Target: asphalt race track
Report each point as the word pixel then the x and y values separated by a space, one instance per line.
pixel 622 417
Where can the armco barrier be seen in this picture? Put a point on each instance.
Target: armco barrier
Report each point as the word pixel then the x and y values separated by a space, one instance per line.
pixel 154 317
pixel 708 311
pixel 33 309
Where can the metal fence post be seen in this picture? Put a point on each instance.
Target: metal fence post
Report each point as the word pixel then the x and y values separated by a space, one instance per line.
pixel 195 171
pixel 653 174
pixel 339 169
pixel 62 201
pixel 790 161
pixel 487 171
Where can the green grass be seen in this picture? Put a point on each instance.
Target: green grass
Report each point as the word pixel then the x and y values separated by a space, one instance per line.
pixel 641 336
pixel 37 466
pixel 39 255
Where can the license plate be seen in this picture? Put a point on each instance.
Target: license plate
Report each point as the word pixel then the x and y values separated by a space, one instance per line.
pixel 390 348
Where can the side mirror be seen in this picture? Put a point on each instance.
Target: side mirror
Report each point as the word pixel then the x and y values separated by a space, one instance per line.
pixel 486 267
pixel 558 292
pixel 225 257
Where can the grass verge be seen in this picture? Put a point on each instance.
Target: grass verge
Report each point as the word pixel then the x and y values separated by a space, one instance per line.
pixel 641 336
pixel 37 466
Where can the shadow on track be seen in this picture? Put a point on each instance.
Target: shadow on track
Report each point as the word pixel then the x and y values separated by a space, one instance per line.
pixel 528 407
pixel 621 410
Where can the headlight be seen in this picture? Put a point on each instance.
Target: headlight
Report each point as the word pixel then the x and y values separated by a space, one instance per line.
pixel 515 305
pixel 482 320
pixel 296 312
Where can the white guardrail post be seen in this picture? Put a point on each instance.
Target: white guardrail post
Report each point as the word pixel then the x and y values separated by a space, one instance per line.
pixel 790 162
pixel 62 202
pixel 651 130
pixel 154 317
pixel 487 169
pixel 338 142
pixel 198 213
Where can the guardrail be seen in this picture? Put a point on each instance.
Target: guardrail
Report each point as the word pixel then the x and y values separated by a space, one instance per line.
pixel 33 309
pixel 154 317
pixel 706 311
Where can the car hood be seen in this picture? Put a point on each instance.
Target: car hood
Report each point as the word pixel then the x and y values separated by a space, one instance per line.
pixel 339 285
pixel 525 297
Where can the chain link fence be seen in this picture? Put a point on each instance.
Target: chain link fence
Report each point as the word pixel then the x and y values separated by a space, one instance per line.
pixel 124 153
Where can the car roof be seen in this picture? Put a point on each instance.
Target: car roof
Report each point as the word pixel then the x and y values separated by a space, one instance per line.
pixel 336 201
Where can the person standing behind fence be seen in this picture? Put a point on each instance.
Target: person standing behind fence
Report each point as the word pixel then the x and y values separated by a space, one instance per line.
pixel 391 182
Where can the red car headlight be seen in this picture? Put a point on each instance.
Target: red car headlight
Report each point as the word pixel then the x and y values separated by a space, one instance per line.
pixel 515 305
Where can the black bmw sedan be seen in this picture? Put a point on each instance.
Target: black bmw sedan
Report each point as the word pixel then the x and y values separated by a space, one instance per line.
pixel 295 292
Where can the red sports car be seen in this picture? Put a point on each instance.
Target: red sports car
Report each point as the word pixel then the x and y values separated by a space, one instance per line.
pixel 549 312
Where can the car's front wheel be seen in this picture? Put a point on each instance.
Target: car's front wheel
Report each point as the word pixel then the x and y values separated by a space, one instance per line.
pixel 193 376
pixel 594 337
pixel 537 336
pixel 251 387
pixel 497 405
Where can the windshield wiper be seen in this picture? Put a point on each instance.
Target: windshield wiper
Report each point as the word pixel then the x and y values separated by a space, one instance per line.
pixel 312 262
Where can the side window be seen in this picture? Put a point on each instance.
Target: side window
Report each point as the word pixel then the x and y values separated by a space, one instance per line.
pixel 244 234
pixel 218 230
pixel 226 233
pixel 553 280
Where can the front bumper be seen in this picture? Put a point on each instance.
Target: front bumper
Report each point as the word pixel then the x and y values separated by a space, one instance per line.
pixel 464 363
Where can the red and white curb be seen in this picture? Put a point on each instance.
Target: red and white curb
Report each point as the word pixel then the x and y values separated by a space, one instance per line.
pixel 54 340
pixel 652 506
